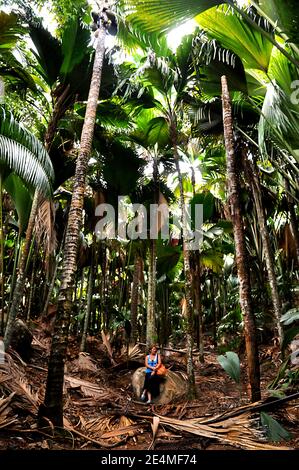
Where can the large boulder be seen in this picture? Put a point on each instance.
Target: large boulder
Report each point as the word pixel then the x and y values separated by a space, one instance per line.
pixel 173 387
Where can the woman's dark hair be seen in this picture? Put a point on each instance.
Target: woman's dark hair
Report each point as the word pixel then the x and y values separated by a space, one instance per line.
pixel 152 346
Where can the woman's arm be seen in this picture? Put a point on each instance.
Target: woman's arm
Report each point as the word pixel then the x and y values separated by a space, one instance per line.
pixel 159 362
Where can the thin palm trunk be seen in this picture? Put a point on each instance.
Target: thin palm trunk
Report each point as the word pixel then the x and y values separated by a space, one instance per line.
pixel 151 334
pixel 195 270
pixel 53 404
pixel 293 219
pixel 135 297
pixel 241 258
pixel 1 257
pixel 32 286
pixel 20 284
pixel 89 298
pixel 151 327
pixel 268 253
pixel 187 270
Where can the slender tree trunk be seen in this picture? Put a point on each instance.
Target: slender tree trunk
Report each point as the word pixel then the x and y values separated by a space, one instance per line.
pixel 197 303
pixel 32 286
pixel 241 258
pixel 53 404
pixel 89 298
pixel 50 290
pixel 293 219
pixel 151 334
pixel 151 327
pixel 2 280
pixel 269 258
pixel 187 270
pixel 19 289
pixel 214 310
pixel 135 297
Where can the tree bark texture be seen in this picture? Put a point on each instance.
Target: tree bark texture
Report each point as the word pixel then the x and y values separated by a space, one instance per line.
pixel 187 269
pixel 268 253
pixel 53 404
pixel 240 247
pixel 19 288
pixel 135 297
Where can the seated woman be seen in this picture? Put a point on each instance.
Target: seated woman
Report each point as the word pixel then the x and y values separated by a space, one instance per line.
pixel 152 380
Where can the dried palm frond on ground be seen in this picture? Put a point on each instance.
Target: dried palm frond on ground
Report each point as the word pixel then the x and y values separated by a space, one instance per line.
pixel 89 389
pixel 239 432
pixel 13 381
pixel 105 431
pixel 6 419
pixel 86 363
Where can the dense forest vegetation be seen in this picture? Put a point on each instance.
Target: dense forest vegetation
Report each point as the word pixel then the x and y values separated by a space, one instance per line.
pixel 181 119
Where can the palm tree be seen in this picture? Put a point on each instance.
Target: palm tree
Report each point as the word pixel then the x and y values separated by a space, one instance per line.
pixel 53 403
pixel 242 265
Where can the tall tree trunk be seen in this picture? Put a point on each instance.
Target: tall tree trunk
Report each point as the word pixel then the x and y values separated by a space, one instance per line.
pixel 187 270
pixel 241 258
pixel 32 286
pixel 197 303
pixel 151 327
pixel 135 297
pixel 53 404
pixel 2 280
pixel 269 258
pixel 293 219
pixel 151 333
pixel 89 298
pixel 19 289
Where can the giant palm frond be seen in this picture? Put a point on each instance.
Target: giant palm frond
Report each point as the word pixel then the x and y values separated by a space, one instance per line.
pixel 161 15
pixel 285 14
pixel 10 31
pixel 22 153
pixel 235 34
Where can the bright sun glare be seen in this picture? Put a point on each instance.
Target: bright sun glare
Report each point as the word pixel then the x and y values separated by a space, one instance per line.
pixel 175 36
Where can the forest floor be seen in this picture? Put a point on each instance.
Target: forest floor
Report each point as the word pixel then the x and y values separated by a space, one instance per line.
pixel 102 412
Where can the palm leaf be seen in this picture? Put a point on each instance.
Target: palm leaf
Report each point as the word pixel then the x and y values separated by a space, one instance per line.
pixel 235 34
pixel 75 42
pixel 275 431
pixel 24 164
pixel 21 197
pixel 231 364
pixel 290 317
pixel 162 15
pixel 22 153
pixel 49 52
pixel 10 128
pixel 158 132
pixel 10 31
pixel 285 14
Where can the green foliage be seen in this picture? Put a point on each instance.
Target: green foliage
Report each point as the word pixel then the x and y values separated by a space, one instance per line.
pixel 75 42
pixel 231 364
pixel 158 132
pixel 236 35
pixel 285 15
pixel 207 200
pixel 290 316
pixel 21 197
pixel 22 153
pixel 166 15
pixel 275 431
